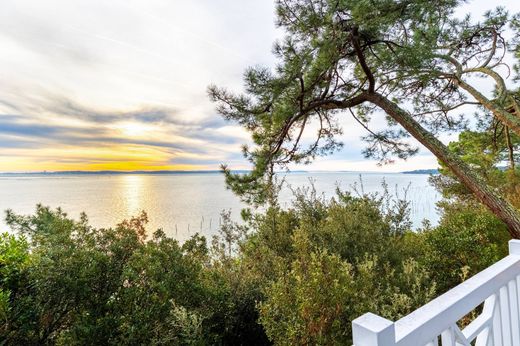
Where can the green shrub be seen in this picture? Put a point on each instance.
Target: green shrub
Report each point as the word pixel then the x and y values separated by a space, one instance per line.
pixel 288 276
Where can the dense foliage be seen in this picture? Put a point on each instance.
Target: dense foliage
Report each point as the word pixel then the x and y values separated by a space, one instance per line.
pixel 289 276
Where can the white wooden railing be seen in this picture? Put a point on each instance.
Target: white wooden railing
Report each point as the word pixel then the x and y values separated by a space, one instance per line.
pixel 435 323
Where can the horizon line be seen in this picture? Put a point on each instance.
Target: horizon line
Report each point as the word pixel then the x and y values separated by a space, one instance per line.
pixel 201 171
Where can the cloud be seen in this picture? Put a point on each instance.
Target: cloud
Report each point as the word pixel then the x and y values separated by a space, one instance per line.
pixel 10 142
pixel 29 130
pixel 71 109
pixel 159 134
pixel 92 84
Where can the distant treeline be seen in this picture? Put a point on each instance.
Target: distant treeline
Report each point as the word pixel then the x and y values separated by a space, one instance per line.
pixel 166 172
pixel 119 172
pixel 422 171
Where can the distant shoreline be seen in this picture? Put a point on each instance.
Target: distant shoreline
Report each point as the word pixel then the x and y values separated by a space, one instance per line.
pixel 118 172
pixel 422 171
pixel 61 173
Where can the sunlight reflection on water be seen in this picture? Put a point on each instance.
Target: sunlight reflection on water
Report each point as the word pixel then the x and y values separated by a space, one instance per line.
pixel 183 204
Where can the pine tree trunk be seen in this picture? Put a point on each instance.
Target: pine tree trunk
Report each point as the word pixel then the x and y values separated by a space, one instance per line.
pixel 485 194
pixel 510 120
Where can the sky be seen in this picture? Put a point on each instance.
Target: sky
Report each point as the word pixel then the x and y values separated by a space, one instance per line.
pixel 121 84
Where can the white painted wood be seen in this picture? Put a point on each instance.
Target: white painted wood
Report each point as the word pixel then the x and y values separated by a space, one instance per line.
pixel 460 339
pixel 434 342
pixel 484 338
pixel 373 330
pixel 448 337
pixel 514 247
pixel 496 329
pixel 481 327
pixel 436 316
pixel 478 325
pixel 514 312
pixel 505 317
pixel 498 325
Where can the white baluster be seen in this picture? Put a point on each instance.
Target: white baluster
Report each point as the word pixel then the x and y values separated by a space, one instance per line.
pixel 514 312
pixel 448 337
pixel 484 338
pixel 505 317
pixel 497 326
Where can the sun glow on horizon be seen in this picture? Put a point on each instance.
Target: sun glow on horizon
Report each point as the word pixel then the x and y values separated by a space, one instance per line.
pixel 22 166
pixel 112 158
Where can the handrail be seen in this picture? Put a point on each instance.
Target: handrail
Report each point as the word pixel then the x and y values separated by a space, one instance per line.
pixel 499 324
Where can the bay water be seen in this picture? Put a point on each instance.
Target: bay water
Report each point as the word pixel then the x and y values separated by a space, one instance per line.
pixel 183 204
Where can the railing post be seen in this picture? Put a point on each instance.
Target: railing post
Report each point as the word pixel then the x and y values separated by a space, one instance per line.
pixel 514 247
pixel 373 330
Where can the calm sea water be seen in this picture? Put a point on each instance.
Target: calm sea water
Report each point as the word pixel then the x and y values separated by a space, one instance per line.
pixel 182 204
